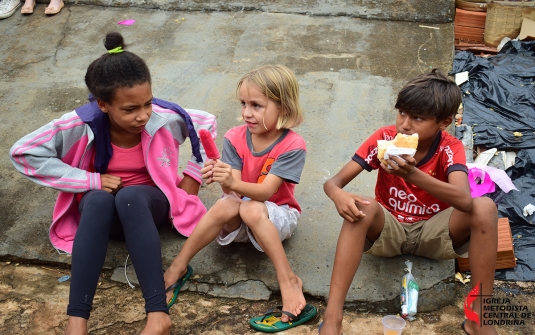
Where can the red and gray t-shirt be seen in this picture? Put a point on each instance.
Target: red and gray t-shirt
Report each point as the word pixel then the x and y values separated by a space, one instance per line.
pixel 284 158
pixel 405 201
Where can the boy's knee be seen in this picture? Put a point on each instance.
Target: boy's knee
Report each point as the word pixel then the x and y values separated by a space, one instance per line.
pixel 252 211
pixel 485 212
pixel 372 210
pixel 485 206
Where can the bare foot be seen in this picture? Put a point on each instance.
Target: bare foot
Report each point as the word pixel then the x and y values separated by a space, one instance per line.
pixel 54 3
pixel 471 328
pixel 158 323
pixel 171 276
pixel 331 325
pixel 293 300
pixel 29 3
pixel 76 326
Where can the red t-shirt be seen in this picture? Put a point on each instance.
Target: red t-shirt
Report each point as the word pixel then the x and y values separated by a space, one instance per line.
pixel 284 158
pixel 405 201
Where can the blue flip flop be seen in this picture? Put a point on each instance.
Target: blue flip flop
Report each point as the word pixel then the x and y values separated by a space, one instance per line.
pixel 462 327
pixel 271 322
pixel 178 285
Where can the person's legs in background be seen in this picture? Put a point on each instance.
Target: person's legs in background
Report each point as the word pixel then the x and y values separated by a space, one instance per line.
pixel 54 7
pixel 28 7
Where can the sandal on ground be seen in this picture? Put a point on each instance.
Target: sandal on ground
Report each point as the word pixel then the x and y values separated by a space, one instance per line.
pixel 28 9
pixel 462 327
pixel 54 10
pixel 178 285
pixel 271 322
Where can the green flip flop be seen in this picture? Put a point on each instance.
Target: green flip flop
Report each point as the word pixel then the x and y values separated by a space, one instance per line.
pixel 270 322
pixel 178 285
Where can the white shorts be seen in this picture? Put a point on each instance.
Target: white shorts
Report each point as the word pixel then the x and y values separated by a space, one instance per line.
pixel 283 218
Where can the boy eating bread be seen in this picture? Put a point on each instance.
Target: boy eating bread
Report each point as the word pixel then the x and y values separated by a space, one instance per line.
pixel 422 203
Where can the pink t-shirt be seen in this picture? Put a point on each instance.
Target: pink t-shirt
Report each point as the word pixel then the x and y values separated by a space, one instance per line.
pixel 284 158
pixel 129 164
pixel 405 201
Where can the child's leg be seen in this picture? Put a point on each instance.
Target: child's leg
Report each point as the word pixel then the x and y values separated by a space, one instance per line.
pixel 97 210
pixel 141 209
pixel 224 213
pixel 480 226
pixel 255 215
pixel 347 259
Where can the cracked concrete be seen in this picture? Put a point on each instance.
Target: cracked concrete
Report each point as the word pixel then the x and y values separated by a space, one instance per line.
pixel 349 71
pixel 244 289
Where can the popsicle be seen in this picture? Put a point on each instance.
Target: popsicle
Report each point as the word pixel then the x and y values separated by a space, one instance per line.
pixel 209 145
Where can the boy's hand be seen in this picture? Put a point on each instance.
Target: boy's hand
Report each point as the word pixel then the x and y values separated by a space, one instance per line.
pixel 345 203
pixel 402 166
pixel 207 171
pixel 222 173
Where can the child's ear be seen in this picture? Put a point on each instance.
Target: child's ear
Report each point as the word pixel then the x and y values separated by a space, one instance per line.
pixel 102 106
pixel 445 123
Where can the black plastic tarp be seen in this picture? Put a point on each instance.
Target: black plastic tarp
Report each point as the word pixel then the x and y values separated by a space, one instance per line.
pixel 522 227
pixel 499 97
pixel 499 105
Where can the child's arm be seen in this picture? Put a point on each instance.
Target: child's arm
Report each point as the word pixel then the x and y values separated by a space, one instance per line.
pixel 190 185
pixel 44 156
pixel 455 192
pixel 230 180
pixel 345 202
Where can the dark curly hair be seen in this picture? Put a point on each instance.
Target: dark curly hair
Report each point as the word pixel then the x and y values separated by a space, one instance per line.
pixel 112 71
pixel 430 95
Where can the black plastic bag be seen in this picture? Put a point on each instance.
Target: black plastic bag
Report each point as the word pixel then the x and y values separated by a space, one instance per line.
pixel 499 97
pixel 499 103
pixel 522 227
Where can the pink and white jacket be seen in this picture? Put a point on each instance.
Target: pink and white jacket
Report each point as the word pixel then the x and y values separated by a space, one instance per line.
pixel 59 155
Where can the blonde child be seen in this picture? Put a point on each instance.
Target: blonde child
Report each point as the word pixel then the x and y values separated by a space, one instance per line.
pixel 262 161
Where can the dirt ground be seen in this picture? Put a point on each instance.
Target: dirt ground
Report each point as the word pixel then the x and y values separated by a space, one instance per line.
pixel 33 301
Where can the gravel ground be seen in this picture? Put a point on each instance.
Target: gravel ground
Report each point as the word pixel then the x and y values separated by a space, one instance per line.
pixel 33 301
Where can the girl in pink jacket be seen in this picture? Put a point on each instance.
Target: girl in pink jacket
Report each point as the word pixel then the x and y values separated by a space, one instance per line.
pixel 115 163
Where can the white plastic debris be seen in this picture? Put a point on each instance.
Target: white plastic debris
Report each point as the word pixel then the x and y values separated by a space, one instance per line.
pixel 461 77
pixel 529 210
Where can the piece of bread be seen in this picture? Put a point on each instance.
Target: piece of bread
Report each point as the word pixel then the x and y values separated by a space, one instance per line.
pixel 401 141
pixel 382 145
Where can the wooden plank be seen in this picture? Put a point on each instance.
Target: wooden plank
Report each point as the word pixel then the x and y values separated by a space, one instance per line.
pixel 506 254
pixel 469 33
pixel 469 18
pixel 478 49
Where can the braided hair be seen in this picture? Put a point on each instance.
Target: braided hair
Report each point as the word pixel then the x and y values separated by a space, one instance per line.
pixel 115 70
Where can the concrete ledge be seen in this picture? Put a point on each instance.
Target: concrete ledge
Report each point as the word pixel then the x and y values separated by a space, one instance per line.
pixel 431 11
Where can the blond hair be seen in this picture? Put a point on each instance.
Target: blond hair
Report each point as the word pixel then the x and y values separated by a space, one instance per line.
pixel 278 83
